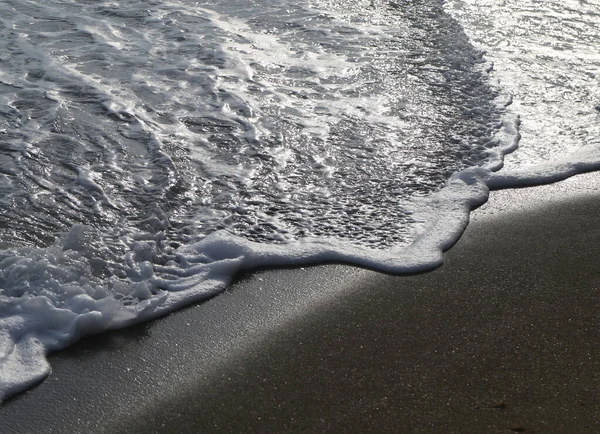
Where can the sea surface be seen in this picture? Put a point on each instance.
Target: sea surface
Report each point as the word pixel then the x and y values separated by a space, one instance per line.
pixel 151 149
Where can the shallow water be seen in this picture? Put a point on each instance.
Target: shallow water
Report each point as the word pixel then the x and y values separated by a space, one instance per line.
pixel 273 122
pixel 545 53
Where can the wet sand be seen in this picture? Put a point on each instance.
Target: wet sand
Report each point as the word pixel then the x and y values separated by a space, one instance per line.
pixel 502 338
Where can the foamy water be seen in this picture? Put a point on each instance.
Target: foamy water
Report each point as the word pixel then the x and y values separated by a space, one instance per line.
pixel 150 150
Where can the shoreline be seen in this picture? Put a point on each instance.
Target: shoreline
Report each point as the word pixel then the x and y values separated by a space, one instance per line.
pixel 500 338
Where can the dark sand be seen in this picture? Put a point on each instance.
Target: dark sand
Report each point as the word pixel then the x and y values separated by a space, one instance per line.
pixel 504 337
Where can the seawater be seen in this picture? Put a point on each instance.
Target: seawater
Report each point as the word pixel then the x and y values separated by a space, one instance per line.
pixel 149 150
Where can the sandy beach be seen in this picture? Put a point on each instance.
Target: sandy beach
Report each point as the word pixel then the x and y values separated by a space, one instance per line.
pixel 502 338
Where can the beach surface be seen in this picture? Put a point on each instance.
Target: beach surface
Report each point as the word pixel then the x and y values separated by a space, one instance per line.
pixel 502 338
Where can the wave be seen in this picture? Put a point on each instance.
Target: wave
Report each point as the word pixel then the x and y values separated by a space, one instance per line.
pixel 151 153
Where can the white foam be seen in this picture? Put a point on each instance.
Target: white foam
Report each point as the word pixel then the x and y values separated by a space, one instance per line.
pixel 67 302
